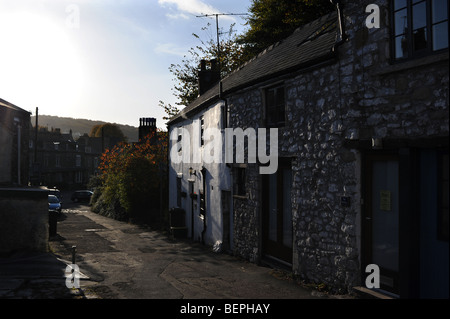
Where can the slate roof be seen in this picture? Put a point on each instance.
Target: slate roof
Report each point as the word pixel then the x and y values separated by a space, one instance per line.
pixel 307 46
pixel 12 106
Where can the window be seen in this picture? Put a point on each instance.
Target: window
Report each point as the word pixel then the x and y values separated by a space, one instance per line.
pixel 202 130
pixel 78 177
pixel 78 160
pixel 46 157
pixel 275 106
pixel 443 224
pixel 58 161
pixel 179 139
pixel 419 27
pixel 239 181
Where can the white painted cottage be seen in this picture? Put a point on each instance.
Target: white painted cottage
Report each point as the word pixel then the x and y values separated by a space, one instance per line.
pixel 200 183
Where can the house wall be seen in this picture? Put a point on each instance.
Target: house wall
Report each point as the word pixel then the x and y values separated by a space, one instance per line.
pixel 330 112
pixel 217 177
pixel 14 139
pixel 5 154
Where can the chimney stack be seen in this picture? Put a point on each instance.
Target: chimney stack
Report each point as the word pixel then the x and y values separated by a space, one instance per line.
pixel 207 78
pixel 147 125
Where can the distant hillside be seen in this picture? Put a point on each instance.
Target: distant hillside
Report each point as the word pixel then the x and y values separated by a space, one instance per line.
pixel 81 126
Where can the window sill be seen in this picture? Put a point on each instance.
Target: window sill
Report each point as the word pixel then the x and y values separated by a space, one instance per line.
pixel 240 196
pixel 414 63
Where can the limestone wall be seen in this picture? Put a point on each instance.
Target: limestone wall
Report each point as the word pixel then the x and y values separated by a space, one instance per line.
pixel 23 220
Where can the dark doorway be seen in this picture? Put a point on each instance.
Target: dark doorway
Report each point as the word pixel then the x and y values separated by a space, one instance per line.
pixel 277 213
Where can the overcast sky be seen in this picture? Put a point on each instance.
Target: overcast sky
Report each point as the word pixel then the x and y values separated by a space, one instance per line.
pixel 103 60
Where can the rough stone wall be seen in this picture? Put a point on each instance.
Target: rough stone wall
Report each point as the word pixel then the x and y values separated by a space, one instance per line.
pixel 247 210
pixel 24 220
pixel 359 97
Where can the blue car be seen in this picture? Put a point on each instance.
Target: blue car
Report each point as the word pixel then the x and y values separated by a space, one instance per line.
pixel 54 203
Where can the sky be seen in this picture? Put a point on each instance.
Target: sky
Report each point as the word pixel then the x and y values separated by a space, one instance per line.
pixel 104 60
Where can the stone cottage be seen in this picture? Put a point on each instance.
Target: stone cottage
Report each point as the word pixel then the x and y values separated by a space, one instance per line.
pixel 360 101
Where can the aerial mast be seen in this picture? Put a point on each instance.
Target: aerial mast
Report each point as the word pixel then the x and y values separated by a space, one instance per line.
pixel 217 27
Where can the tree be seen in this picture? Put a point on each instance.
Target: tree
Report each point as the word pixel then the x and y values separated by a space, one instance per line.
pixel 169 109
pixel 107 130
pixel 232 55
pixel 271 21
pixel 132 179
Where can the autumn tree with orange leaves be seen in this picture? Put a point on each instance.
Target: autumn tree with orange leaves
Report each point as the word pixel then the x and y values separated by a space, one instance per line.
pixel 132 182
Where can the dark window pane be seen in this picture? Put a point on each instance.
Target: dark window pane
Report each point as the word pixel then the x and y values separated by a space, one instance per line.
pixel 439 10
pixel 398 4
pixel 420 39
pixel 440 36
pixel 401 47
pixel 419 15
pixel 401 22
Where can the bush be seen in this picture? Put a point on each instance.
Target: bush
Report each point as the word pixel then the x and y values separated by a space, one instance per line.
pixel 129 187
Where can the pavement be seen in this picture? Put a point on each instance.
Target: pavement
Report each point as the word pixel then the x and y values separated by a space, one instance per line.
pixel 118 260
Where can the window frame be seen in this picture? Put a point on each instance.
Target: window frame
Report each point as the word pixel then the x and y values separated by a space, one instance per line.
pixel 202 130
pixel 411 53
pixel 280 111
pixel 239 181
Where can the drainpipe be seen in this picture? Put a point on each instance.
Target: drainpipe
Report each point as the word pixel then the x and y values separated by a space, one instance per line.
pixel 18 153
pixel 342 35
pixel 203 171
pixel 225 106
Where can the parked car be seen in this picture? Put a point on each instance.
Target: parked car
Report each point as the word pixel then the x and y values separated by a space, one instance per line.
pixel 56 192
pixel 81 196
pixel 54 204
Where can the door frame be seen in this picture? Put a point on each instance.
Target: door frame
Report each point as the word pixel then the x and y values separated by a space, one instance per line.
pixel 366 219
pixel 282 252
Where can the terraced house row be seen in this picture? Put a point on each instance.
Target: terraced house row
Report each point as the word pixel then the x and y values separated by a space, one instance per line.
pixel 362 118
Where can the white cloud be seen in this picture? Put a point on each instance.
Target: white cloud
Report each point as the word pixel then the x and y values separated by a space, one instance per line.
pixel 177 15
pixel 170 48
pixel 195 7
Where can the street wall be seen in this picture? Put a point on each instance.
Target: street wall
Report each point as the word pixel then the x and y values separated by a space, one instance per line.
pixel 23 220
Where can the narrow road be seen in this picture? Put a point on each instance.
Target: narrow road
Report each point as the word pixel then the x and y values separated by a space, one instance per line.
pixel 127 261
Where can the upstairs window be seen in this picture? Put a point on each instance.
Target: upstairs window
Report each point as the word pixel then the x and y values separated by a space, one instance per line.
pixel 202 130
pixel 275 106
pixel 179 139
pixel 419 27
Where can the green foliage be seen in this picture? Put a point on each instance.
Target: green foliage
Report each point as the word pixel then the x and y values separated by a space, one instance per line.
pixel 169 109
pixel 271 21
pixel 230 56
